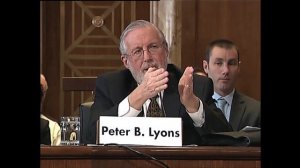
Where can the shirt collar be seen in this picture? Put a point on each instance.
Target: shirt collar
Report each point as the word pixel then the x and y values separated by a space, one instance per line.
pixel 228 97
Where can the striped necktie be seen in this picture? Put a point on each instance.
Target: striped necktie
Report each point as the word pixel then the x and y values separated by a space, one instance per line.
pixel 221 104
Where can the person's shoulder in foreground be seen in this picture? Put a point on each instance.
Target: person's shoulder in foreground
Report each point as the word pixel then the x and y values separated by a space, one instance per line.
pixel 44 132
pixel 55 130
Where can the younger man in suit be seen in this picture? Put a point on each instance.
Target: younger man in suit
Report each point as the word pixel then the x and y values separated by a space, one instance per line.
pixel 222 65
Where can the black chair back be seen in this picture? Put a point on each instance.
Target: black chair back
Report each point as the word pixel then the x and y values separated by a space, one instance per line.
pixel 84 110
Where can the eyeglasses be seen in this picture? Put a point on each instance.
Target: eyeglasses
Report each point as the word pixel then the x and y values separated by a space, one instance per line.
pixel 152 49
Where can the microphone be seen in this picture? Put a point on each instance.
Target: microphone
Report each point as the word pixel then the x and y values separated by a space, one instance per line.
pixel 145 155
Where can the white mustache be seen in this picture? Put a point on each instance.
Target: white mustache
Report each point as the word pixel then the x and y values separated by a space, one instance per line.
pixel 150 66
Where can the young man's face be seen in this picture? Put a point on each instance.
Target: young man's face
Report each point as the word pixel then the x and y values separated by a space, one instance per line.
pixel 223 68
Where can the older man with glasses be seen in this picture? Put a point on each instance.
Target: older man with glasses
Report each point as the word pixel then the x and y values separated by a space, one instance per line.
pixel 127 93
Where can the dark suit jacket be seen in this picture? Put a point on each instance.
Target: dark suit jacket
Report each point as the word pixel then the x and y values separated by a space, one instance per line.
pixel 45 132
pixel 113 87
pixel 245 111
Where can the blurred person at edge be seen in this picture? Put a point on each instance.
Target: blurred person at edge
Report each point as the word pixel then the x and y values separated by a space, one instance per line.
pixel 55 130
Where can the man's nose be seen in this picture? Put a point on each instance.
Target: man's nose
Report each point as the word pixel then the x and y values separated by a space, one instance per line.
pixel 146 54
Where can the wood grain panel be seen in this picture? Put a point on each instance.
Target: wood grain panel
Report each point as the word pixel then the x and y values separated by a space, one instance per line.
pixel 73 47
pixel 237 20
pixel 174 157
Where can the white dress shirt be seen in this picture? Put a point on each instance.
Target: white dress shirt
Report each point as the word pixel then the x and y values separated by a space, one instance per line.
pixel 125 110
pixel 227 107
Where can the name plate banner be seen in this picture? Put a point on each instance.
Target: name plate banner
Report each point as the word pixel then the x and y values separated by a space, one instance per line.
pixel 156 131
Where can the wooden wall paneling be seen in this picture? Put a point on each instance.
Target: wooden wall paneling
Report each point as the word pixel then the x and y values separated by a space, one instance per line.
pixel 188 38
pixel 74 47
pixel 238 21
pixel 50 56
pixel 174 157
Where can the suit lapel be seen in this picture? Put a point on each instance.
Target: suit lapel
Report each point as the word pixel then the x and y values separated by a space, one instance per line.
pixel 171 100
pixel 171 104
pixel 237 111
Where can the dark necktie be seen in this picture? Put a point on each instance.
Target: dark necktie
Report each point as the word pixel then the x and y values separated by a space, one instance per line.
pixel 154 109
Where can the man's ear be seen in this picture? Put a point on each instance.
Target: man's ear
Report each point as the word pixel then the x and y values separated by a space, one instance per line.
pixel 124 60
pixel 205 66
